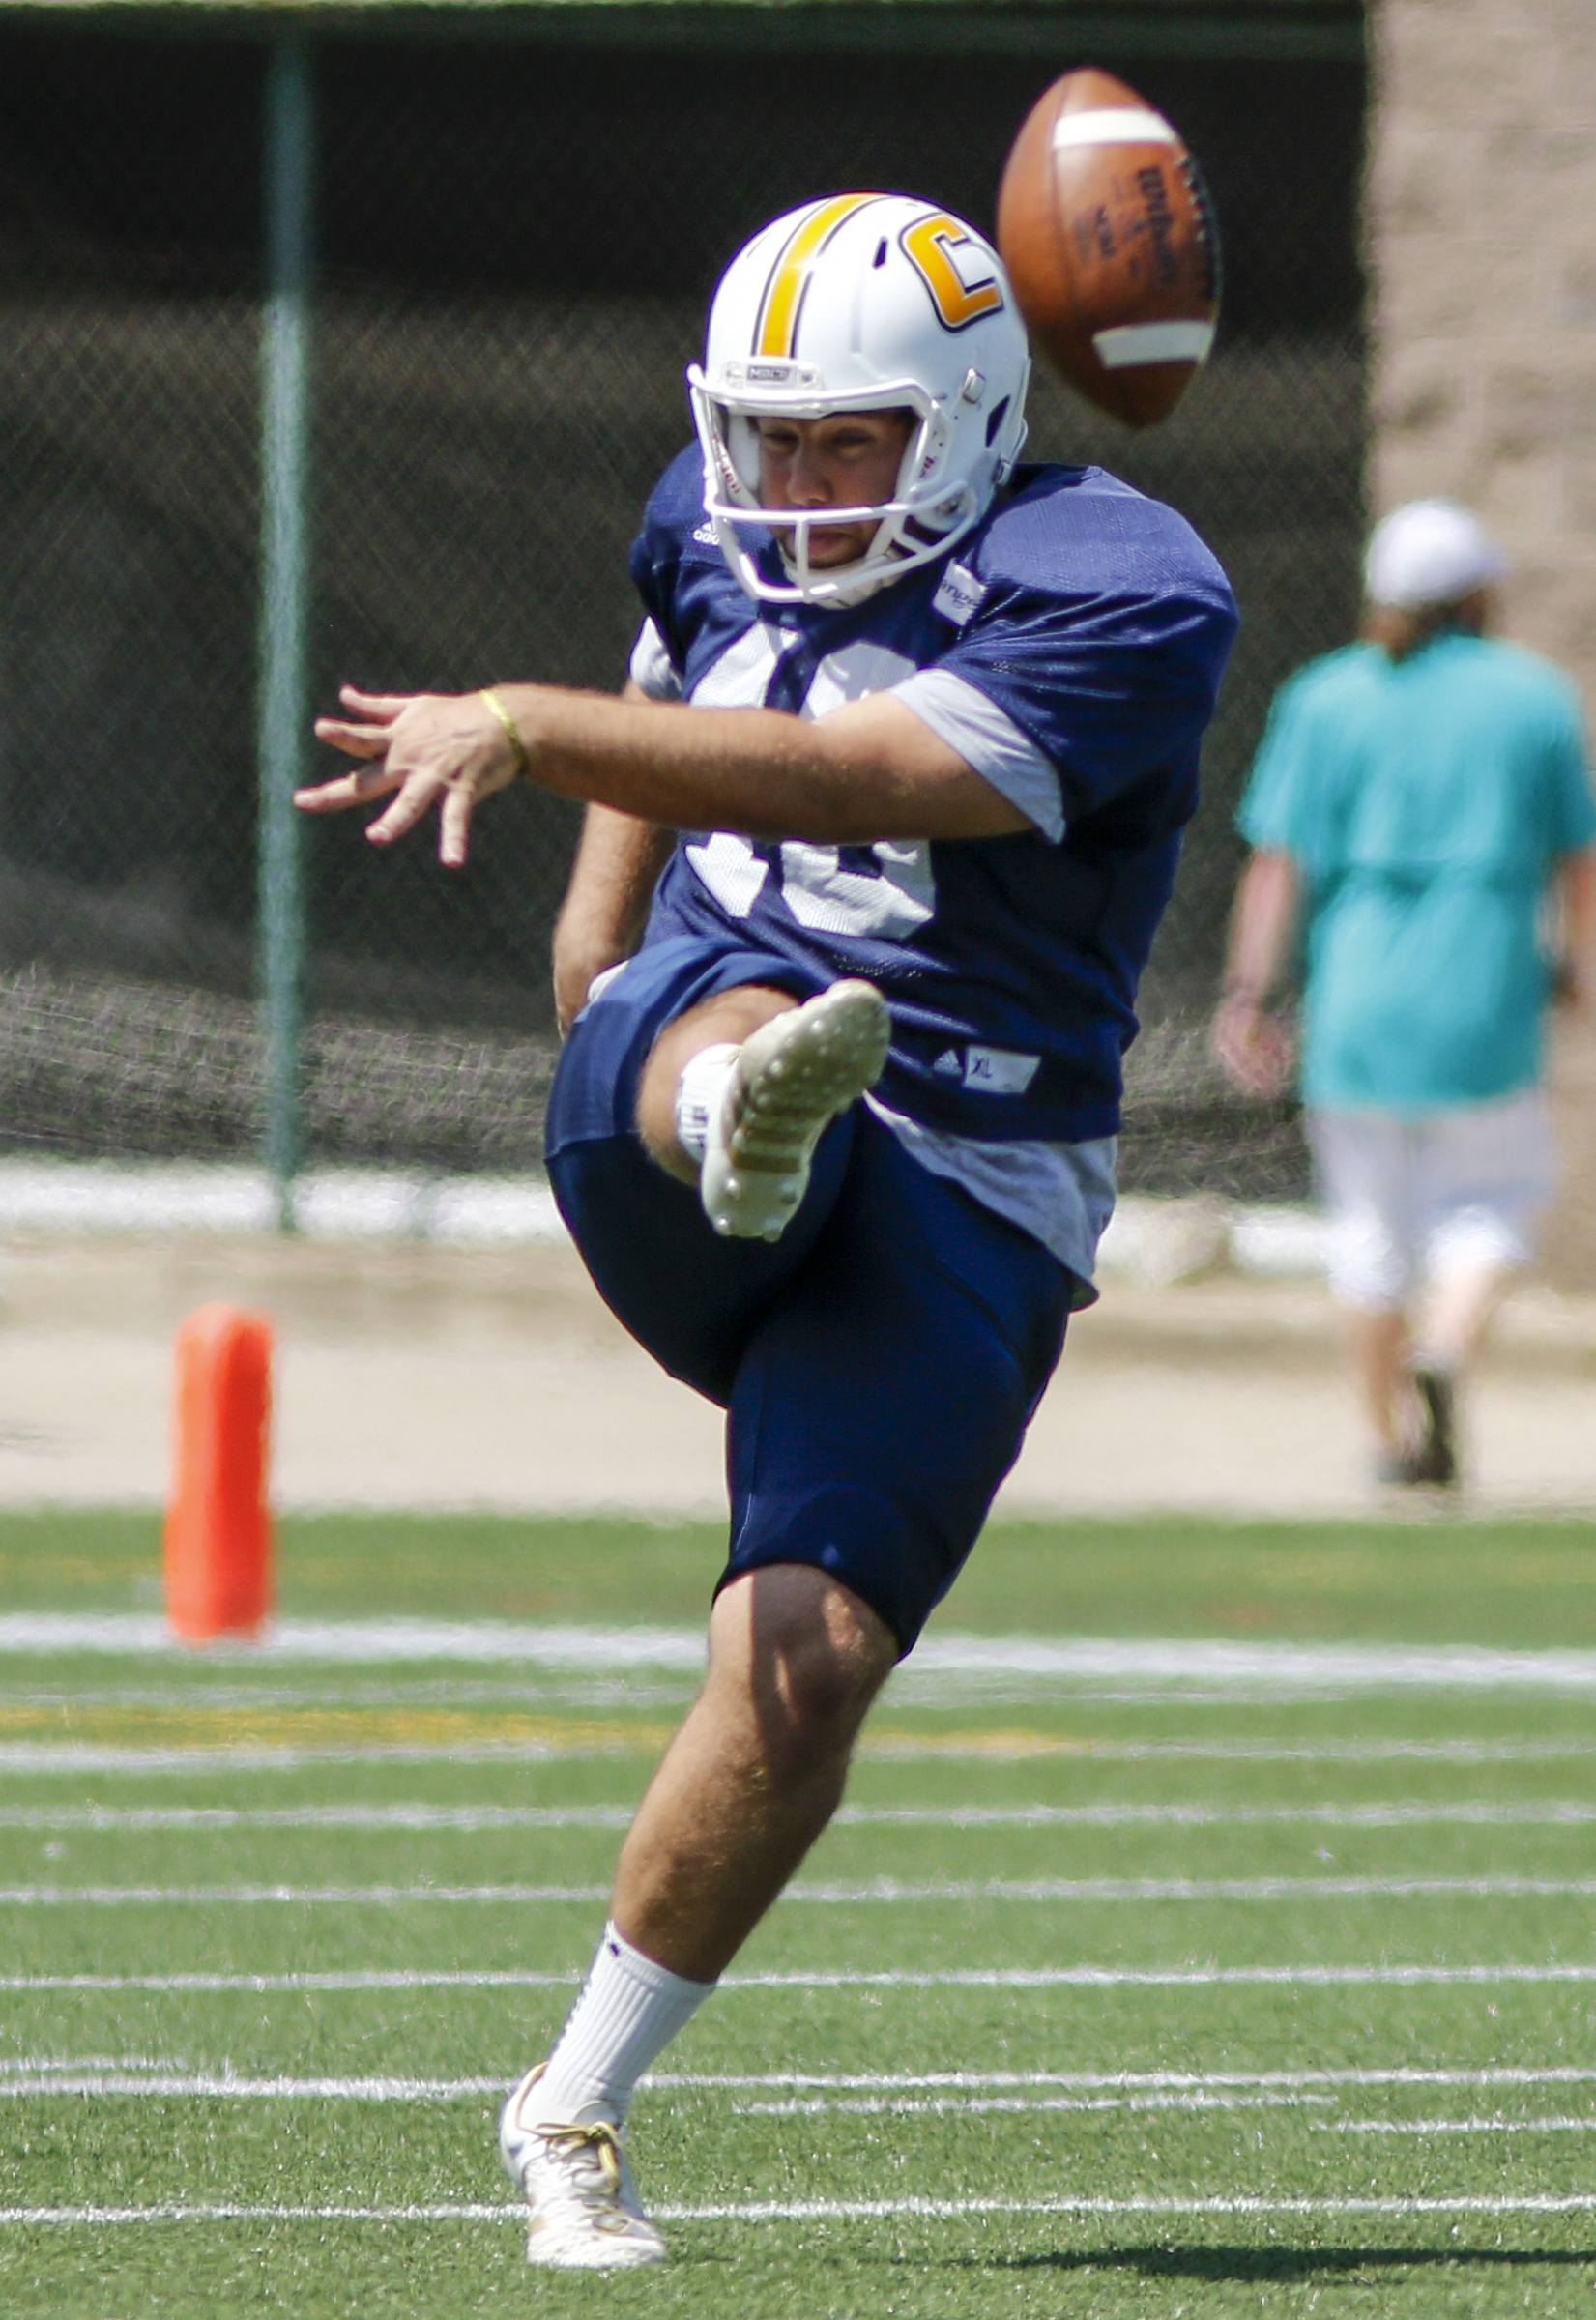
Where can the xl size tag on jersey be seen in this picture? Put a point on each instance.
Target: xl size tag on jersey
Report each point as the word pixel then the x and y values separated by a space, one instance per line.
pixel 959 597
pixel 998 1070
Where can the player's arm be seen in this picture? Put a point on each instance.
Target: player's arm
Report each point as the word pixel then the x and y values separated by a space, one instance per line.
pixel 871 770
pixel 617 863
pixel 1574 905
pixel 1251 1043
pixel 601 919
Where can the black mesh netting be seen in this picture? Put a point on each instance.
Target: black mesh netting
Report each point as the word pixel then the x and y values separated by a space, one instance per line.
pixel 517 239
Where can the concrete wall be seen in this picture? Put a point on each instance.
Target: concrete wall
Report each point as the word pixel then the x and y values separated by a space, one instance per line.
pixel 1481 228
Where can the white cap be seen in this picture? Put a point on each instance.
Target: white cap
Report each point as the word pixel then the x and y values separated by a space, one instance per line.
pixel 1429 551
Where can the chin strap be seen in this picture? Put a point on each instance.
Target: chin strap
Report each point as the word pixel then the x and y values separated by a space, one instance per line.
pixel 846 596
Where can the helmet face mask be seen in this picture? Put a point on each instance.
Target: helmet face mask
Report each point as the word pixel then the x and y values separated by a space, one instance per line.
pixel 864 302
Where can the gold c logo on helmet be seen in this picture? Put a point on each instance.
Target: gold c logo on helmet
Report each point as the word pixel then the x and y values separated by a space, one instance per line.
pixel 776 331
pixel 929 244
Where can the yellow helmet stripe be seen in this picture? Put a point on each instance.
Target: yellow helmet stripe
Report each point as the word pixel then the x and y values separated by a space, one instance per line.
pixel 776 329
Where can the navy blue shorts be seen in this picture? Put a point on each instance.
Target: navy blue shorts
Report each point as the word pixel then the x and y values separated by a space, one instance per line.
pixel 878 1364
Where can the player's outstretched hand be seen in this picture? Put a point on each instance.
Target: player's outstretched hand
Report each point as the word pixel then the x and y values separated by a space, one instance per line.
pixel 421 750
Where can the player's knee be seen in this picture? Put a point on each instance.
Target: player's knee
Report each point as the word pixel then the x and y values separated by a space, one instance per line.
pixel 812 1696
pixel 807 1655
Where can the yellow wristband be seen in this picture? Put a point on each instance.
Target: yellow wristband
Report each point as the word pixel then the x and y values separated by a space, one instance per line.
pixel 512 733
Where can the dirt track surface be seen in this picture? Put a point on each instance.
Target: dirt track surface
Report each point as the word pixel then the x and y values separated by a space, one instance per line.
pixel 412 1376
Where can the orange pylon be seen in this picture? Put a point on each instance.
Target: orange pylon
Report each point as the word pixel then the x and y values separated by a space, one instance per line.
pixel 218 1525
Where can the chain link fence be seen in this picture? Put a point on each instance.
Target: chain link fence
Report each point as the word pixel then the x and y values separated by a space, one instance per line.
pixel 518 236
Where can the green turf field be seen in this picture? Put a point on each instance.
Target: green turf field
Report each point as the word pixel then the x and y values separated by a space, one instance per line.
pixel 1138 1989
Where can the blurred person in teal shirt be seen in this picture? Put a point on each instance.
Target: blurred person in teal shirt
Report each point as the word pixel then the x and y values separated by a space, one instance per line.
pixel 1421 817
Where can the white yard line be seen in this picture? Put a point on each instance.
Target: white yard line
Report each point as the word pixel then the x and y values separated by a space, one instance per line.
pixel 843 2086
pixel 18 1756
pixel 209 1896
pixel 474 1819
pixel 1196 1977
pixel 354 1642
pixel 883 1892
pixel 1341 1751
pixel 231 2087
pixel 373 1978
pixel 943 1657
pixel 71 1755
pixel 467 1819
pixel 1108 2091
pixel 1426 2127
pixel 1140 2082
pixel 1189 1889
pixel 805 2211
pixel 1061 1977
pixel 897 2106
pixel 460 2210
pixel 866 2210
pixel 1547 1813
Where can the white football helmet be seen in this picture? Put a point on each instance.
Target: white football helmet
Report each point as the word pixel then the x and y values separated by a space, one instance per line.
pixel 865 301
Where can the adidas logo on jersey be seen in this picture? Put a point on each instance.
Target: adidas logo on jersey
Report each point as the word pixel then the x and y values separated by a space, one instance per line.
pixel 706 535
pixel 994 1070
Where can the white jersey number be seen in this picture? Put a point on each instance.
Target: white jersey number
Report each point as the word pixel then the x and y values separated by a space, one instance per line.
pixel 890 901
pixel 820 893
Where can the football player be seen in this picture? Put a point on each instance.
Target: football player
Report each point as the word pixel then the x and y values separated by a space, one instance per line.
pixel 877 841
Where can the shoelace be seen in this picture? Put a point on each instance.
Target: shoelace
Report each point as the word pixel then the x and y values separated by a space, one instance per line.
pixel 595 2143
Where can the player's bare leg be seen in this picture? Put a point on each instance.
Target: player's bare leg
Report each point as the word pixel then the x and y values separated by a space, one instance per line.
pixel 748 1783
pixel 1410 1385
pixel 1378 1341
pixel 1459 1311
pixel 755 1771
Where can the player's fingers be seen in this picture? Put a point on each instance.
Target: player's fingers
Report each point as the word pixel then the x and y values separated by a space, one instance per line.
pixel 1245 1062
pixel 455 828
pixel 358 786
pixel 383 706
pixel 331 797
pixel 356 741
pixel 1271 1069
pixel 417 792
pixel 1228 1051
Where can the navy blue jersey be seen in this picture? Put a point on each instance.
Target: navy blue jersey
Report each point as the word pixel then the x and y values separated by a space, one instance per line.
pixel 1070 648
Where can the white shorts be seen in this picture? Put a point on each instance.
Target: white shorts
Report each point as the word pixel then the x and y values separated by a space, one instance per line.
pixel 1411 1201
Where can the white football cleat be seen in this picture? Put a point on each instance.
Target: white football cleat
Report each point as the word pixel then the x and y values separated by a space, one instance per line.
pixel 585 2214
pixel 791 1079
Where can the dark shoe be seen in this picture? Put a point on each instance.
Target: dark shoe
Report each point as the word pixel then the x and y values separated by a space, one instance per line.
pixel 1397 1469
pixel 1436 1459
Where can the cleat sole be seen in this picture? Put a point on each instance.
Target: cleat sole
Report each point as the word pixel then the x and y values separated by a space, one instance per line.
pixel 791 1078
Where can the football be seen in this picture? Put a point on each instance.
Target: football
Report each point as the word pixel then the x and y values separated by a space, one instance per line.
pixel 1109 236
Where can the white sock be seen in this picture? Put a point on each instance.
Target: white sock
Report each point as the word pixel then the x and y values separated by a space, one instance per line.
pixel 698 1094
pixel 628 2012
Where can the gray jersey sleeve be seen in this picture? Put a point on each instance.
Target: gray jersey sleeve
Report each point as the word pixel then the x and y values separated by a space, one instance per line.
pixel 651 668
pixel 989 741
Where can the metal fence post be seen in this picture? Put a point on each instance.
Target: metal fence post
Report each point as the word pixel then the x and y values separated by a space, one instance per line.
pixel 283 679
